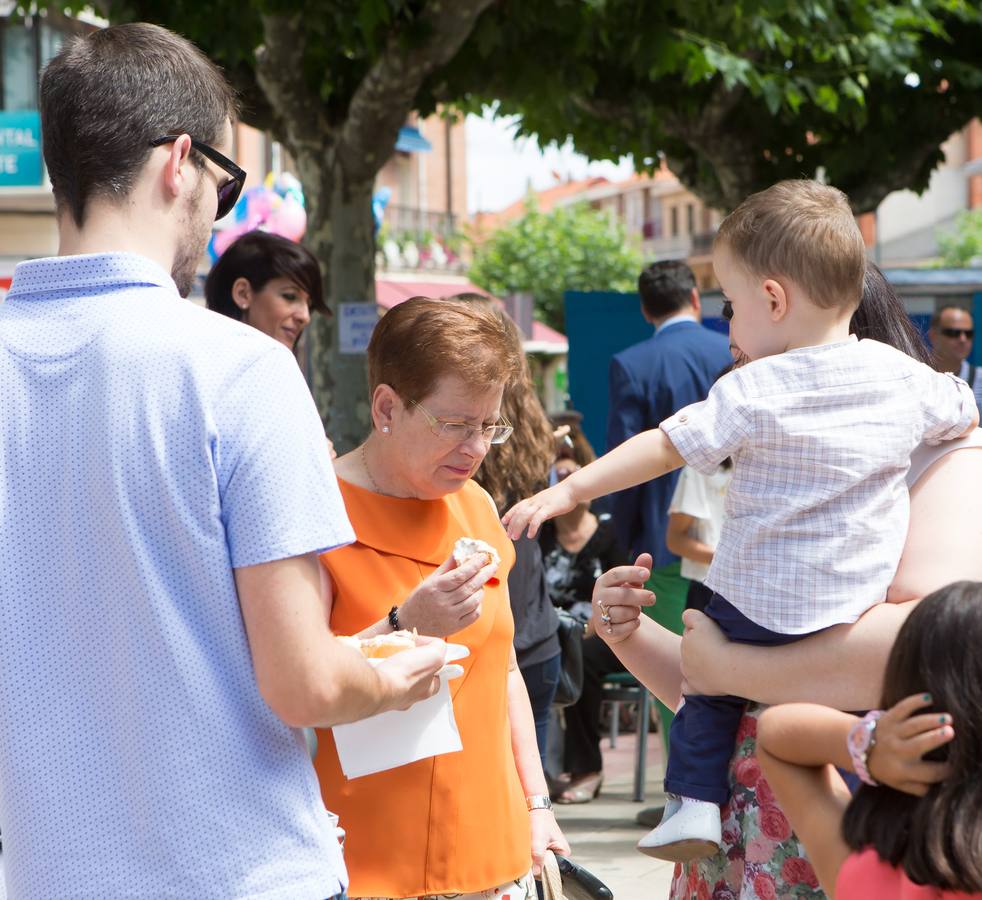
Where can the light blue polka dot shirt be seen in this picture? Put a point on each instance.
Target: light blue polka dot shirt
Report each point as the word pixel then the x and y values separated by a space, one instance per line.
pixel 147 448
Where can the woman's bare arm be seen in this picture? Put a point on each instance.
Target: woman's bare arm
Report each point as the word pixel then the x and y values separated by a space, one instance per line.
pixel 843 666
pixel 649 651
pixel 681 543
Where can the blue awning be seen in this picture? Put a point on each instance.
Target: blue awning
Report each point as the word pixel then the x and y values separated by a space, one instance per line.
pixel 411 141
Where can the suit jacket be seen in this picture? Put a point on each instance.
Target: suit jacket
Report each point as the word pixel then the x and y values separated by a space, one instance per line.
pixel 649 382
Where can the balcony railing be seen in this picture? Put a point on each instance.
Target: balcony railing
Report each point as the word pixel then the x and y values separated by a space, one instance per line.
pixel 678 247
pixel 413 239
pixel 420 223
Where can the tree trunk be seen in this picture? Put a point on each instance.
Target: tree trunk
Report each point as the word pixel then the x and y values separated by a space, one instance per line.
pixel 341 234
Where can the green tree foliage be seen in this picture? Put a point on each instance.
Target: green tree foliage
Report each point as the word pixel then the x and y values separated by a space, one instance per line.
pixel 962 247
pixel 735 94
pixel 738 95
pixel 544 254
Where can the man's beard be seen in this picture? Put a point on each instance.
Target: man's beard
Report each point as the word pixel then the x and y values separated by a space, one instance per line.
pixel 196 235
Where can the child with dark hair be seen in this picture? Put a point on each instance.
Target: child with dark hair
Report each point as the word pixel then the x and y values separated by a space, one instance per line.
pixel 926 843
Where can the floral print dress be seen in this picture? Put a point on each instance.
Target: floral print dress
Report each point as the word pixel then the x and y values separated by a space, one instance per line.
pixel 760 858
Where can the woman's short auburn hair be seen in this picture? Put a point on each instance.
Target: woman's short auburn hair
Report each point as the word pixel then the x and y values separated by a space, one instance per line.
pixel 421 340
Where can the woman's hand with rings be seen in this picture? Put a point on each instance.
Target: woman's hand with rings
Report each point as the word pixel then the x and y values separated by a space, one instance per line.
pixel 618 596
pixel 448 600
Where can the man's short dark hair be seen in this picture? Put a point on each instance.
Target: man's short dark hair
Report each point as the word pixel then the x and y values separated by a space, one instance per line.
pixel 666 287
pixel 107 94
pixel 936 318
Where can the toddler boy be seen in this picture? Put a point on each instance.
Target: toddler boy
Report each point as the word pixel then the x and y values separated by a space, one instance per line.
pixel 820 427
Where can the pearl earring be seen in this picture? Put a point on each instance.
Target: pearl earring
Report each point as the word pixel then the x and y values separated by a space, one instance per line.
pixel 385 429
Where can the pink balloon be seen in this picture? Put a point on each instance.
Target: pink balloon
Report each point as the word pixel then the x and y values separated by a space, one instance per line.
pixel 289 220
pixel 224 239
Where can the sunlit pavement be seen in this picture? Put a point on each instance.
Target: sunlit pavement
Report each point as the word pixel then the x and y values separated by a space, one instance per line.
pixel 603 833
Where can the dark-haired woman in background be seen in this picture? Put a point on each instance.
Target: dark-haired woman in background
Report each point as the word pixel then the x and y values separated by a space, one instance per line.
pixel 508 472
pixel 576 548
pixel 268 282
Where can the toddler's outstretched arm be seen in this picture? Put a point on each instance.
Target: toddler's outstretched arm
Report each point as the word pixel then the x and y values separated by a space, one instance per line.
pixel 643 457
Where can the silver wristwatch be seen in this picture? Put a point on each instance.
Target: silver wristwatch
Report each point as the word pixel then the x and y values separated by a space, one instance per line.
pixel 538 801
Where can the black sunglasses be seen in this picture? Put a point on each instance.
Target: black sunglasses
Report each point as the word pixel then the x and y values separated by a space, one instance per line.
pixel 958 332
pixel 228 191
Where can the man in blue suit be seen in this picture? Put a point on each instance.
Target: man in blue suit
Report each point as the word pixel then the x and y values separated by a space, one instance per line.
pixel 649 382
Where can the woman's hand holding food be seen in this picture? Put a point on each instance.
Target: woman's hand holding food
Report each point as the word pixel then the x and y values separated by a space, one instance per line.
pixel 902 740
pixel 450 599
pixel 618 596
pixel 546 835
pixel 410 675
pixel 528 515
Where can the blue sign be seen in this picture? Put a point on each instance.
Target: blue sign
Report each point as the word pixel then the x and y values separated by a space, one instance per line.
pixel 20 149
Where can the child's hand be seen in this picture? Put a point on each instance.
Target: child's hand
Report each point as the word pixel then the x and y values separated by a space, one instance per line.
pixel 530 514
pixel 902 739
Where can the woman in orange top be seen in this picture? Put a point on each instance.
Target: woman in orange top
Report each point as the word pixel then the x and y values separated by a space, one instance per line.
pixel 472 822
pixel 883 843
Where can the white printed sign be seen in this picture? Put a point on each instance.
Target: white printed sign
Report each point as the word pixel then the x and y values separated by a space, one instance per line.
pixel 356 322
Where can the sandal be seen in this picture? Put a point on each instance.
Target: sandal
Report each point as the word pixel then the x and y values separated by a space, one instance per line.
pixel 582 789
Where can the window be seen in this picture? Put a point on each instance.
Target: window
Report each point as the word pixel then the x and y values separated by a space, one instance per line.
pixel 690 219
pixel 675 222
pixel 26 47
pixel 20 69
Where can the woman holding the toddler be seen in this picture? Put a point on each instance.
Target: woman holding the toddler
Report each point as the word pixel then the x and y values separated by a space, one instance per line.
pixel 821 429
pixel 842 667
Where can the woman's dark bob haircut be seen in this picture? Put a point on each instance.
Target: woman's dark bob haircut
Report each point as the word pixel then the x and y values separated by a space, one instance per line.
pixel 260 257
pixel 937 839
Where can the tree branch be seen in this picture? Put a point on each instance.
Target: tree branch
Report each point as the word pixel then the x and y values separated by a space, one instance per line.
pixel 295 108
pixel 385 97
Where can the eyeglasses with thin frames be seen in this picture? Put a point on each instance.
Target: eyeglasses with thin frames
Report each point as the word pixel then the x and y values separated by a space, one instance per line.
pixel 461 432
pixel 228 191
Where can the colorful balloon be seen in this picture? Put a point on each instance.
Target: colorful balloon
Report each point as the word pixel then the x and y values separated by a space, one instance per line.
pixel 276 206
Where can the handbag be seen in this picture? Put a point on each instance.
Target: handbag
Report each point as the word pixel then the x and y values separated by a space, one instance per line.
pixel 570 684
pixel 563 879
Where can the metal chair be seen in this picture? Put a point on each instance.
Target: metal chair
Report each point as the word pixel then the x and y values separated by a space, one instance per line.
pixel 622 687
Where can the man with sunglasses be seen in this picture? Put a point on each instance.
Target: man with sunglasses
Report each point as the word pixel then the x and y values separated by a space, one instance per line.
pixel 165 488
pixel 951 334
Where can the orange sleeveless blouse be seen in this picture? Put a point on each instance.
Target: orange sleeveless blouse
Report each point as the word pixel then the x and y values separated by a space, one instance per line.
pixel 455 823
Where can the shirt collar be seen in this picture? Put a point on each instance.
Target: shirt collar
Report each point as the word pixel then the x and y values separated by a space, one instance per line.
pixel 87 271
pixel 675 320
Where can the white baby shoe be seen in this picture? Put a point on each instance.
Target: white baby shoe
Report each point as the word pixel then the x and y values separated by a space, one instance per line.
pixel 689 829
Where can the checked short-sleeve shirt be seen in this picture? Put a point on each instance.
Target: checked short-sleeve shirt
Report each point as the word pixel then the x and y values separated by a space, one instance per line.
pixel 147 448
pixel 817 511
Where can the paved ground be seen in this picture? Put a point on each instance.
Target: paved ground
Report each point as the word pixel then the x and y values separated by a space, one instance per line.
pixel 603 833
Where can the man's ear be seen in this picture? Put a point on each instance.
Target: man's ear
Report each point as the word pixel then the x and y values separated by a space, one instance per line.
pixel 177 170
pixel 696 302
pixel 777 299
